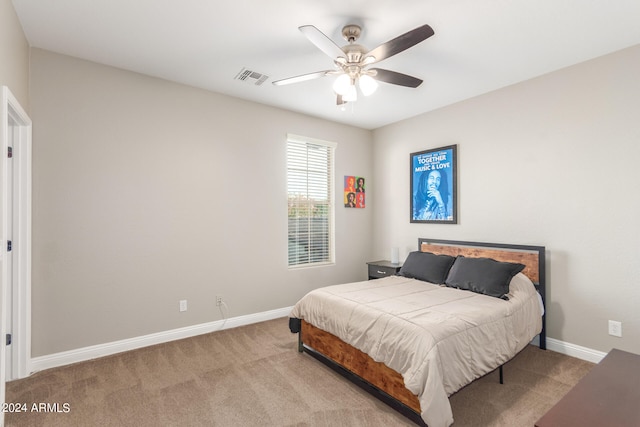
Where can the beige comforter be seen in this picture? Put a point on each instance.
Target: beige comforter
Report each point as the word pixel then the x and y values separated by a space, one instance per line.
pixel 440 339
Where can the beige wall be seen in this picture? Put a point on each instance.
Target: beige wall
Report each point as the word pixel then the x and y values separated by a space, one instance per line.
pixel 14 55
pixel 146 192
pixel 552 161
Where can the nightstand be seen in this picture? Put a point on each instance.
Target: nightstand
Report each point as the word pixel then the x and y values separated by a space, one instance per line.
pixel 378 269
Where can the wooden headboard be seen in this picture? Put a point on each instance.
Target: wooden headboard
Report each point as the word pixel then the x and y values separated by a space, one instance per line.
pixel 533 258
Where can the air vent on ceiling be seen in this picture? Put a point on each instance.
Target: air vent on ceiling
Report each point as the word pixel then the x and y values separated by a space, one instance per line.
pixel 252 77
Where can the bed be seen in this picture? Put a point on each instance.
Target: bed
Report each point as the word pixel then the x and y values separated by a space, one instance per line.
pixel 413 342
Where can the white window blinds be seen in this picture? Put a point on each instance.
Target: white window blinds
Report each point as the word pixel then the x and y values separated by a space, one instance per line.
pixel 310 200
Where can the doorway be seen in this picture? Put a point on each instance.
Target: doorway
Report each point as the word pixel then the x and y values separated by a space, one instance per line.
pixel 15 240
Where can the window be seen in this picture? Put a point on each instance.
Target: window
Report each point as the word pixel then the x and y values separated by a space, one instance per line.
pixel 310 200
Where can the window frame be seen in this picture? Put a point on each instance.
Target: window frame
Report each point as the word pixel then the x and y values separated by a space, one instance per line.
pixel 331 147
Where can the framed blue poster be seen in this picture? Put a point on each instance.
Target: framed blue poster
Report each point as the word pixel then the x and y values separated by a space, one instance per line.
pixel 434 187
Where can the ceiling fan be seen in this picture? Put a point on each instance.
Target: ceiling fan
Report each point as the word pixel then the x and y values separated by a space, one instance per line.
pixel 352 61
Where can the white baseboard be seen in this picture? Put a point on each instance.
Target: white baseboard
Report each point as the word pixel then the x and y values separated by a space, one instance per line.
pixel 93 352
pixel 574 350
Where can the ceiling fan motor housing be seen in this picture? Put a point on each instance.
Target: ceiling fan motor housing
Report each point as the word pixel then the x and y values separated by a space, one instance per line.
pixel 354 53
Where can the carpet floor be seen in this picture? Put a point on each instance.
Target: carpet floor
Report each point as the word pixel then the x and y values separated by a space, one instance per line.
pixel 254 376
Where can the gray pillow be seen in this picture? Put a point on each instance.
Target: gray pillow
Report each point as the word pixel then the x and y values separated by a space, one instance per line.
pixel 483 275
pixel 427 267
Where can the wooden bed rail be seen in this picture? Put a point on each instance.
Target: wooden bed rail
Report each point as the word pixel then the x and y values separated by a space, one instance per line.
pixel 374 377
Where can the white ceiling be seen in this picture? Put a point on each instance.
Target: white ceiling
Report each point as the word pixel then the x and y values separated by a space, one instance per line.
pixel 478 46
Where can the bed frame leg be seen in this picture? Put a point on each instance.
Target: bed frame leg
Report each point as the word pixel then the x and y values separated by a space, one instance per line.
pixel 501 375
pixel 300 346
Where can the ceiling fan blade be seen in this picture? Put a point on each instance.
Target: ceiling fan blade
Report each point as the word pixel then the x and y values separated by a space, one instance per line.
pixel 302 78
pixel 396 78
pixel 399 44
pixel 339 100
pixel 322 42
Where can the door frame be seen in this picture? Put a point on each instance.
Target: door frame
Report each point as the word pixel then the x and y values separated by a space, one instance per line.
pixel 10 109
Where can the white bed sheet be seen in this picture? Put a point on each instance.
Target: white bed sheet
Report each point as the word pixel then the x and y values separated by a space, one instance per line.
pixel 438 338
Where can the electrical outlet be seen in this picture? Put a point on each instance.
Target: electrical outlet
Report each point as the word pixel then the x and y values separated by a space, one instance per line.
pixel 183 305
pixel 218 300
pixel 615 328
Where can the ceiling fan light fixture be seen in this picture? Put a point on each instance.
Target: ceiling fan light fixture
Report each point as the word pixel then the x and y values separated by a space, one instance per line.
pixel 342 84
pixel 351 95
pixel 367 84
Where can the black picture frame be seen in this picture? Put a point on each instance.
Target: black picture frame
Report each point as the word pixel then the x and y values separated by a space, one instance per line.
pixel 437 167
